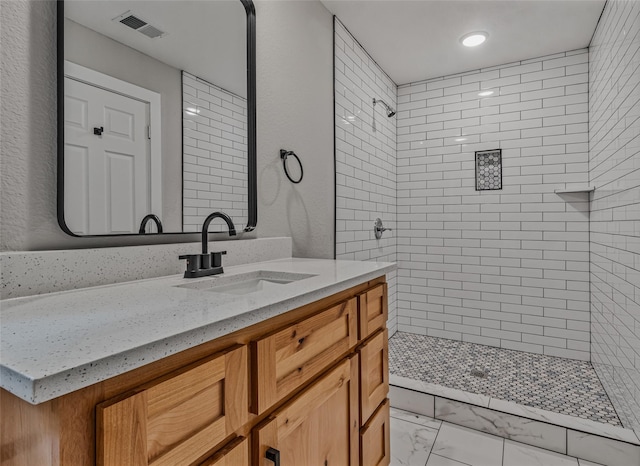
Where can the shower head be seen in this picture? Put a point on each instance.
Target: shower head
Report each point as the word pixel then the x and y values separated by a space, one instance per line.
pixel 390 110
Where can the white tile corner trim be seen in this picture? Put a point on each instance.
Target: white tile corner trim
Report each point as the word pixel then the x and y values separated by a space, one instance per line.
pixel 26 273
pixel 365 159
pixel 506 268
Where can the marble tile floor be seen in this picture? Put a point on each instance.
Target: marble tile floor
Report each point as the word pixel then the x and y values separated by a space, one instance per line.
pixel 418 440
pixel 554 384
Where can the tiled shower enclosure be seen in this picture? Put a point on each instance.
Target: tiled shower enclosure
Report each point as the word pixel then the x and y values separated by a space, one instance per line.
pixel 365 159
pixel 518 266
pixel 509 267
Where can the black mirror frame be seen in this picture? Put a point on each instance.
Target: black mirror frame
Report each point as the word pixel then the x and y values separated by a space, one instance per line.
pixel 252 187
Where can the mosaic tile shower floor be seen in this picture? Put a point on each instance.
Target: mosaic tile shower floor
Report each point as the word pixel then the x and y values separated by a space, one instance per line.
pixel 560 385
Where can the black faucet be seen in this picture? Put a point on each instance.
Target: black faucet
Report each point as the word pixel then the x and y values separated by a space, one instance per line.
pixel 205 264
pixel 205 228
pixel 146 219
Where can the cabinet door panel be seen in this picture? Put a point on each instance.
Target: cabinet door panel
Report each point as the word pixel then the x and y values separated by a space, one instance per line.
pixel 375 441
pixel 178 418
pixel 122 432
pixel 319 427
pixel 236 453
pixel 287 359
pixel 372 310
pixel 374 374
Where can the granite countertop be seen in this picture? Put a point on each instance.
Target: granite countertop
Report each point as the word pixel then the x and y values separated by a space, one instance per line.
pixel 56 343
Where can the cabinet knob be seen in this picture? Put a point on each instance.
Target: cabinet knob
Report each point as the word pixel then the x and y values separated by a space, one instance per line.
pixel 273 455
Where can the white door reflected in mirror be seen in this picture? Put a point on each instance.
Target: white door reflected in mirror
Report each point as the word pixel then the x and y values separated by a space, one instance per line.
pixel 112 168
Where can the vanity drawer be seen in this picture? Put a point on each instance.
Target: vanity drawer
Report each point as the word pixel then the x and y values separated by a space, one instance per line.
pixel 375 439
pixel 287 359
pixel 374 374
pixel 372 310
pixel 178 418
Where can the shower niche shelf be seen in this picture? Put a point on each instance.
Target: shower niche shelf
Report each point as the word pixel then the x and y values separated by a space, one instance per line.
pixel 578 189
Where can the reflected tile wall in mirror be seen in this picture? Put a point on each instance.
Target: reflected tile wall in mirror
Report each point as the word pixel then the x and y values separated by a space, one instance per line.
pixel 214 167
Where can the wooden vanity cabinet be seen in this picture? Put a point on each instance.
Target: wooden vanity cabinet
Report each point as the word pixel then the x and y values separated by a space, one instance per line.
pixel 287 358
pixel 236 453
pixel 318 427
pixel 310 384
pixel 375 444
pixel 178 418
pixel 374 373
pixel 372 310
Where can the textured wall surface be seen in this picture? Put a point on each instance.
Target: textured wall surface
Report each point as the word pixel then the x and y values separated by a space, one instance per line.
pixel 294 111
pixel 507 268
pixel 28 125
pixel 365 159
pixel 214 154
pixel 614 168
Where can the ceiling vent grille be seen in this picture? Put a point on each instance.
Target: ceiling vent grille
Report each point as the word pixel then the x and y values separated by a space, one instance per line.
pixel 151 31
pixel 135 22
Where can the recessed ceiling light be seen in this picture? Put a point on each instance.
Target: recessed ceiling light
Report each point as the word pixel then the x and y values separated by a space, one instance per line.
pixel 473 39
pixel 485 93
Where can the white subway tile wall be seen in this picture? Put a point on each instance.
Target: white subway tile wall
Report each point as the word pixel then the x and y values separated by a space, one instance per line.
pixel 214 165
pixel 614 167
pixel 365 159
pixel 507 268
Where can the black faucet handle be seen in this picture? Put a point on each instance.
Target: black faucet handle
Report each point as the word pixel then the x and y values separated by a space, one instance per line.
pixel 193 262
pixel 216 258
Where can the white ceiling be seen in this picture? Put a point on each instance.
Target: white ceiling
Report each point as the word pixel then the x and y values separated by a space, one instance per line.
pixel 207 39
pixel 420 39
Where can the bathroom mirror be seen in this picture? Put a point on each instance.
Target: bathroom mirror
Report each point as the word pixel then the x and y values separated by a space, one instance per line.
pixel 156 115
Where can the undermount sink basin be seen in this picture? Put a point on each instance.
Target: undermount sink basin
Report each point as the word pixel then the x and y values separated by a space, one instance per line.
pixel 246 283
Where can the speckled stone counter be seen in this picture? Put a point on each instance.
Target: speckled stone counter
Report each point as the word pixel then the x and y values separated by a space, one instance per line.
pixel 56 343
pixel 27 273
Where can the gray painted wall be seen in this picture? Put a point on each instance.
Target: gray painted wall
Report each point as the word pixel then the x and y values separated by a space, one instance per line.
pixel 295 112
pixel 295 108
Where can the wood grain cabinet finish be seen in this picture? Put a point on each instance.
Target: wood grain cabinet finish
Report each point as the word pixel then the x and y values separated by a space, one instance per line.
pixel 236 453
pixel 178 418
pixel 375 440
pixel 374 374
pixel 372 310
pixel 287 359
pixel 319 427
